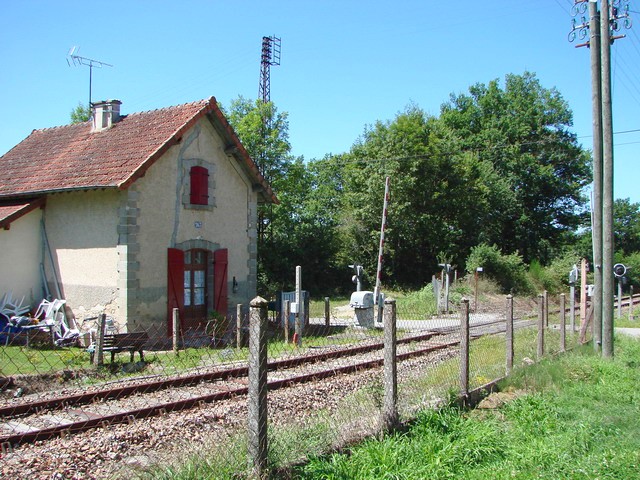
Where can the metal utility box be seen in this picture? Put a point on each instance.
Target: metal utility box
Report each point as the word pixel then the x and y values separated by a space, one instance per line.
pixel 362 303
pixel 291 296
pixel 362 299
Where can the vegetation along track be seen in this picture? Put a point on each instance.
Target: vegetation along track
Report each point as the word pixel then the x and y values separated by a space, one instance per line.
pixel 40 420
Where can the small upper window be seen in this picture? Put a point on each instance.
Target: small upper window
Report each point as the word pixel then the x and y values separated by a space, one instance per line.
pixel 199 186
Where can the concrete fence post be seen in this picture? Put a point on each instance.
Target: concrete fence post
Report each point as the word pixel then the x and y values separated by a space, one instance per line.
pixel 98 354
pixel 257 389
pixel 509 335
pixel 464 348
pixel 175 318
pixel 540 326
pixel 239 326
pixel 563 322
pixel 327 312
pixel 390 404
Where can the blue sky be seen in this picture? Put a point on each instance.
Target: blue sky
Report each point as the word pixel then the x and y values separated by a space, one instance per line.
pixel 344 65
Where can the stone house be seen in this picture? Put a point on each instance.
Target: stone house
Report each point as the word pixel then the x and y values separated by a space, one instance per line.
pixel 133 215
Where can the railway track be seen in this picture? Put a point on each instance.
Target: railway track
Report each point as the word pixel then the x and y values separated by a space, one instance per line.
pixel 44 419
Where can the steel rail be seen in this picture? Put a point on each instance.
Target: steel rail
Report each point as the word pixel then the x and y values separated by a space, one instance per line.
pixel 159 409
pixel 222 374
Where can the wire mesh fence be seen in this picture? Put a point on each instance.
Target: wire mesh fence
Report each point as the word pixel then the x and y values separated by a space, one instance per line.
pixel 256 391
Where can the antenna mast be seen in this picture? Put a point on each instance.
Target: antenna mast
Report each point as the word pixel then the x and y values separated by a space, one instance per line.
pixel 270 56
pixel 76 60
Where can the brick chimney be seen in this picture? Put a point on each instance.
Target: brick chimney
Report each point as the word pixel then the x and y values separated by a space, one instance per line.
pixel 105 114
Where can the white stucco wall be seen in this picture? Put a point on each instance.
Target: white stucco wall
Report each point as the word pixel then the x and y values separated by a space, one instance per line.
pixel 165 222
pixel 20 257
pixel 82 231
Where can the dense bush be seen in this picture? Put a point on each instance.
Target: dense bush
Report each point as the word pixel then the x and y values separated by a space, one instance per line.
pixel 508 271
pixel 555 277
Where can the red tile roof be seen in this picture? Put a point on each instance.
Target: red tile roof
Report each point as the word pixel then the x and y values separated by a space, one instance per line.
pixel 10 213
pixel 71 157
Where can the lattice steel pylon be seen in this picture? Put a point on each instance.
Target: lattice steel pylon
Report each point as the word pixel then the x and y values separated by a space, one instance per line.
pixel 270 56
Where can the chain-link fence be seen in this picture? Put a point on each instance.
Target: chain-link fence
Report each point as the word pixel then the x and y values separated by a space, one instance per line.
pixel 255 392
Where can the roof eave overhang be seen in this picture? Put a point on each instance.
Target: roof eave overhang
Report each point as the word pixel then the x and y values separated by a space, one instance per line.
pixel 6 222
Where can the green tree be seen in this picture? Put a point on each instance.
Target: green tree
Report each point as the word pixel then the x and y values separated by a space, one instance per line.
pixel 626 224
pixel 439 197
pixel 300 227
pixel 80 114
pixel 264 132
pixel 522 130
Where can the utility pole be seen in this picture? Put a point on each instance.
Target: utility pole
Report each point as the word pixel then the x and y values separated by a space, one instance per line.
pixel 596 204
pixel 607 184
pixel 601 37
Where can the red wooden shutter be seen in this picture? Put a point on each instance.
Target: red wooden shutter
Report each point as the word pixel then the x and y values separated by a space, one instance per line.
pixel 199 177
pixel 175 285
pixel 220 281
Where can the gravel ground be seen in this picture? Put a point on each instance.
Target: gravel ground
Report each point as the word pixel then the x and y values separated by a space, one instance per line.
pixel 121 451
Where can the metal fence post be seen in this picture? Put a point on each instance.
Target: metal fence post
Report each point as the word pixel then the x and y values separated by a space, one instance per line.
pixel 239 326
pixel 98 354
pixel 327 312
pixel 563 323
pixel 257 389
pixel 464 348
pixel 540 326
pixel 390 405
pixel 509 334
pixel 175 317
pixel 631 303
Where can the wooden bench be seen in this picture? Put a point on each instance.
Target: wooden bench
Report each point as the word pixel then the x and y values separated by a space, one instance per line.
pixel 124 342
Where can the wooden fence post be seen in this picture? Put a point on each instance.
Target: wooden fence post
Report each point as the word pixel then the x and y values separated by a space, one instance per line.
pixel 540 326
pixel 390 404
pixel 563 323
pixel 327 312
pixel 509 334
pixel 257 389
pixel 631 303
pixel 464 348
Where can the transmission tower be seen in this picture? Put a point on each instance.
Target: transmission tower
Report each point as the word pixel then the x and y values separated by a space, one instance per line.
pixel 270 56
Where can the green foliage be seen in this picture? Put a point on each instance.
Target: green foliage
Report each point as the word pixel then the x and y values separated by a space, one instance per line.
pixel 82 113
pixel 522 130
pixel 301 229
pixel 571 422
pixel 508 271
pixel 497 167
pixel 626 218
pixel 555 277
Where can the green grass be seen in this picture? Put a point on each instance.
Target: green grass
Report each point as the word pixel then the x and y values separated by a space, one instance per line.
pixel 576 419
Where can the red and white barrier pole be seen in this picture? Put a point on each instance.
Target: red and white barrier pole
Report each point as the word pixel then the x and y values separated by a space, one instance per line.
pixel 376 292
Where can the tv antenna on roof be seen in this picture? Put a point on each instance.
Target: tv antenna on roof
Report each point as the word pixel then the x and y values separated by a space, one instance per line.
pixel 76 60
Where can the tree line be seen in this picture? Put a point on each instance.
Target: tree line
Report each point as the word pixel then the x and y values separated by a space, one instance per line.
pixel 498 167
pixel 497 172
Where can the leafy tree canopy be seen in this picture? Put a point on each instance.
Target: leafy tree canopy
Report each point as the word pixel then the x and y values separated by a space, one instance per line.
pixel 80 114
pixel 522 129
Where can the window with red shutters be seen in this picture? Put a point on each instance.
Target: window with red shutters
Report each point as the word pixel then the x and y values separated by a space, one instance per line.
pixel 199 177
